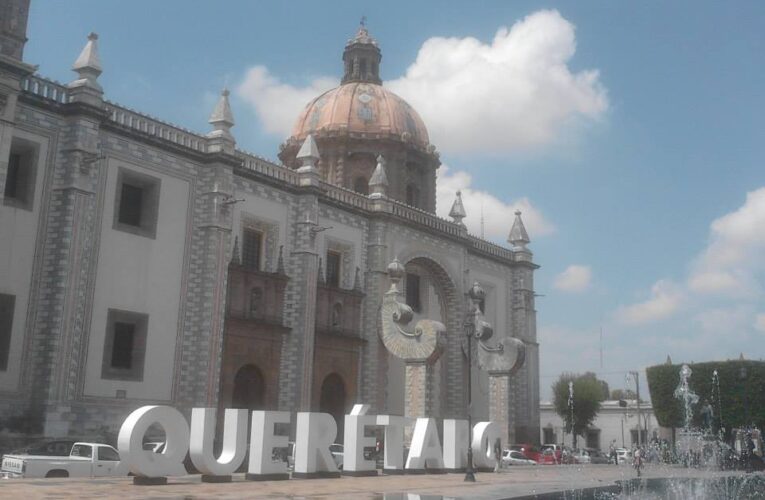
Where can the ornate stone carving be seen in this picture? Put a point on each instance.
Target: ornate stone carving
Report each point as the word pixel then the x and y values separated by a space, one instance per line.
pixel 423 344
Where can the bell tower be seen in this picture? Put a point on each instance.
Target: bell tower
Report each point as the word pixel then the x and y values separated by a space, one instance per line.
pixel 13 27
pixel 362 58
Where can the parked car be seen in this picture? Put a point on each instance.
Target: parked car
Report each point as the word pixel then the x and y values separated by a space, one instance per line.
pixel 624 456
pixel 548 458
pixel 55 448
pixel 580 457
pixel 557 451
pixel 337 454
pixel 515 457
pixel 84 460
pixel 597 456
pixel 531 452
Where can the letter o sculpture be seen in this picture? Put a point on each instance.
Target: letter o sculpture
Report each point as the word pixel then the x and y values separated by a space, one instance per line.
pixel 145 462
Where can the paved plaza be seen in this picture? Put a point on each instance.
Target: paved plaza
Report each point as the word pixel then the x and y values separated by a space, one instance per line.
pixel 515 482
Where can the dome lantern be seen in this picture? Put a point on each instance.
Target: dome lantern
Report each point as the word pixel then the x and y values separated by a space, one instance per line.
pixel 361 58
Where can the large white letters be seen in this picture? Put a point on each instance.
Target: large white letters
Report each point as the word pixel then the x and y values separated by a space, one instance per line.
pixel 394 441
pixel 356 441
pixel 455 443
pixel 202 436
pixel 262 444
pixel 426 448
pixel 147 463
pixel 315 432
pixel 485 434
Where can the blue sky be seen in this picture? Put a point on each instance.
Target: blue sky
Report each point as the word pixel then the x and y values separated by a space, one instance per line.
pixel 629 133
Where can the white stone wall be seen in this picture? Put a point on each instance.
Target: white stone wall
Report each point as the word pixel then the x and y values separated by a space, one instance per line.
pixel 610 420
pixel 18 242
pixel 142 275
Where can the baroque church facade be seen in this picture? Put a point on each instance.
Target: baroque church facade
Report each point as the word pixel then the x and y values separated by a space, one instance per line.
pixel 142 263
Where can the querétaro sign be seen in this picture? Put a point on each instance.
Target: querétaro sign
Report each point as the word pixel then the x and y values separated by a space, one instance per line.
pixel 315 432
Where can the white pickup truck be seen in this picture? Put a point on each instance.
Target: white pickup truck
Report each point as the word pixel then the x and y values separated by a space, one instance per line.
pixel 85 460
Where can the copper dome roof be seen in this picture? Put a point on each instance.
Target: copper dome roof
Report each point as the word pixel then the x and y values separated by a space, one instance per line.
pixel 362 108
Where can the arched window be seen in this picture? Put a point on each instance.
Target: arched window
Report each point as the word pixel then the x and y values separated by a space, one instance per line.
pixel 361 185
pixel 413 196
pixel 337 315
pixel 249 389
pixel 332 400
pixel 256 302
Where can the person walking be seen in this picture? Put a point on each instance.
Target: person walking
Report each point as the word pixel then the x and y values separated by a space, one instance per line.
pixel 637 461
pixel 612 452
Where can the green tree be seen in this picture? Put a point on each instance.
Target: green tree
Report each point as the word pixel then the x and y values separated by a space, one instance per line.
pixel 739 402
pixel 588 393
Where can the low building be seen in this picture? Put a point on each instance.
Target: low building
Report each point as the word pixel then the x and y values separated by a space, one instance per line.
pixel 614 422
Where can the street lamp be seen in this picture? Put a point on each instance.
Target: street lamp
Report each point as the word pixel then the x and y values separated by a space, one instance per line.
pixel 476 294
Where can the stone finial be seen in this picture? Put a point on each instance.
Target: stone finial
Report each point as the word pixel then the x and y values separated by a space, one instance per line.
pixel 378 183
pixel 88 67
pixel 309 153
pixel 457 213
pixel 280 261
pixel 518 237
pixel 222 119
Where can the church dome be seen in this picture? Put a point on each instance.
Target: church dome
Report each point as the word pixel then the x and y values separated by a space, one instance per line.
pixel 362 109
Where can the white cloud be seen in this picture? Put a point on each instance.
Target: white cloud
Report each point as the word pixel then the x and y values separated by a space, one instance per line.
pixel 735 254
pixel 759 323
pixel 725 320
pixel 513 93
pixel 278 104
pixel 576 278
pixel 498 215
pixel 666 298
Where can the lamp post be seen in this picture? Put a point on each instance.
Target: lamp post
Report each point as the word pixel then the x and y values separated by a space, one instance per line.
pixel 476 294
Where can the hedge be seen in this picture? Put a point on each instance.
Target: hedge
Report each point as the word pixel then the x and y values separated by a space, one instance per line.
pixel 735 394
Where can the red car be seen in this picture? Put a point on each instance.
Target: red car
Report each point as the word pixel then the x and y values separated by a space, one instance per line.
pixel 529 450
pixel 557 451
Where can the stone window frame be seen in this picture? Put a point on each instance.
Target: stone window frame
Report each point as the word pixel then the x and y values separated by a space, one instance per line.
pixel 30 156
pixel 135 372
pixel 346 250
pixel 152 187
pixel 269 230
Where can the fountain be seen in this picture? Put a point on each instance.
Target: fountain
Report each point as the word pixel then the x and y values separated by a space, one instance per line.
pixel 689 442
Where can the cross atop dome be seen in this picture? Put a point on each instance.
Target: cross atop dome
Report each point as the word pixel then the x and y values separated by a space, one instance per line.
pixel 362 57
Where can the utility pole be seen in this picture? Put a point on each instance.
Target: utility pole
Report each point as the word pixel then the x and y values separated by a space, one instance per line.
pixel 637 393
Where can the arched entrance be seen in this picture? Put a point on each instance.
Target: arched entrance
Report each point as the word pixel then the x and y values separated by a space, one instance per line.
pixel 429 289
pixel 332 401
pixel 249 389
